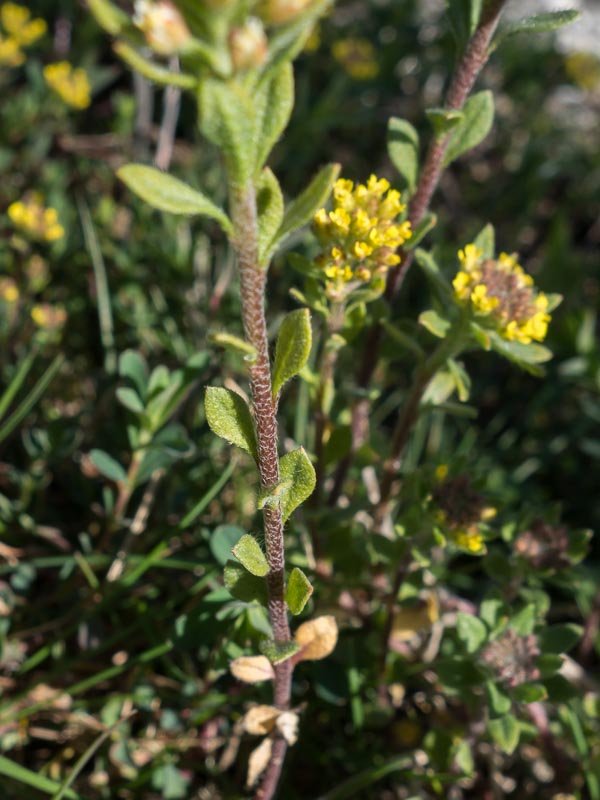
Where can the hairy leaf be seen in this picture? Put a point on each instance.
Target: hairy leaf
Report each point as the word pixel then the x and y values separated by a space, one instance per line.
pixel 403 149
pixel 298 479
pixel 472 130
pixel 293 347
pixel 248 553
pixel 298 591
pixel 229 417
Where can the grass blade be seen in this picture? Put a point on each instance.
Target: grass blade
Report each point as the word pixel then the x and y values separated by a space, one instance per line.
pixel 34 395
pixel 17 381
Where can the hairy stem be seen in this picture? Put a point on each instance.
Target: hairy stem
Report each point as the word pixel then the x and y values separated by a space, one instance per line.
pixel 253 283
pixel 463 80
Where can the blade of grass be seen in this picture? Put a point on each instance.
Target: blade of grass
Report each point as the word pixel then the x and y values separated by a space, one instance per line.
pixel 34 395
pixel 14 386
pixel 207 497
pixel 21 774
pixel 105 317
pixel 366 778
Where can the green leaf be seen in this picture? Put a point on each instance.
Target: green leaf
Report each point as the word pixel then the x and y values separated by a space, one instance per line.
pixel 298 591
pixel 16 772
pixel 472 130
pixel 222 541
pixel 154 72
pixel 486 241
pixel 227 119
pixel 506 732
pixel 133 366
pixel 540 23
pixel 269 206
pixel 231 342
pixel 403 149
pixel 435 324
pixel 461 379
pixel 471 631
pixel 130 399
pixel 464 17
pixel 499 702
pixel 109 16
pixel 525 355
pixel 444 120
pixel 244 586
pixel 248 553
pixel 167 193
pixel 523 622
pixel 278 652
pixel 298 477
pixel 171 782
pixel 229 417
pixel 559 638
pixel 305 206
pixel 427 223
pixel 429 266
pixel 530 692
pixel 273 103
pixel 293 347
pixel 108 466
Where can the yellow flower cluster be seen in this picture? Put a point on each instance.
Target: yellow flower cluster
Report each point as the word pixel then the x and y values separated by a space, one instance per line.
pixel 9 291
pixel 357 57
pixel 361 234
pixel 461 510
pixel 468 539
pixel 34 219
pixel 503 293
pixel 48 317
pixel 19 31
pixel 71 84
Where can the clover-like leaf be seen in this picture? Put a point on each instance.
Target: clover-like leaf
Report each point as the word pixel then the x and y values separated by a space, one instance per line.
pixel 248 553
pixel 293 347
pixel 229 417
pixel 298 480
pixel 298 591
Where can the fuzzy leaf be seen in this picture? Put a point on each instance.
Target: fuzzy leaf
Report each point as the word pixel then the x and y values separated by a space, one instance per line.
pixel 108 466
pixel 259 761
pixel 522 354
pixel 230 342
pixel 444 120
pixel 227 119
pixel 248 553
pixel 229 417
pixel 403 149
pixel 269 202
pixel 317 638
pixel 244 586
pixel 167 193
pixel 293 347
pixel 486 241
pixel 252 669
pixel 298 591
pixel 305 206
pixel 273 103
pixel 471 631
pixel 108 16
pixel 277 652
pixel 472 130
pixel 539 23
pixel 154 72
pixel 505 731
pixel 298 473
pixel 435 324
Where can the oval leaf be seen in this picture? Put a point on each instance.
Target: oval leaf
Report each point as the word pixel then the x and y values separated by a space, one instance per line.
pixel 293 347
pixel 317 638
pixel 167 193
pixel 273 103
pixel 258 761
pixel 229 417
pixel 297 481
pixel 108 466
pixel 472 130
pixel 252 669
pixel 244 586
pixel 269 206
pixel 248 553
pixel 298 591
pixel 403 149
pixel 260 720
pixel 278 652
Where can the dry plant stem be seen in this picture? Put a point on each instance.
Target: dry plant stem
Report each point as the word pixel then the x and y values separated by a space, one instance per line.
pixel 166 134
pixel 474 59
pixel 253 282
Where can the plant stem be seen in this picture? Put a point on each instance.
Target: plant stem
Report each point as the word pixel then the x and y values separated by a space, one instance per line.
pixel 253 283
pixel 465 75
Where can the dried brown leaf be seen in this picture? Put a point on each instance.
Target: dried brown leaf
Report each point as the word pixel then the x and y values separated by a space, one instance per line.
pixel 252 669
pixel 260 720
pixel 259 760
pixel 317 638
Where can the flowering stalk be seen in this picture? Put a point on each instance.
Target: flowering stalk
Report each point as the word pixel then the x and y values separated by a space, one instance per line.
pixel 253 282
pixel 473 61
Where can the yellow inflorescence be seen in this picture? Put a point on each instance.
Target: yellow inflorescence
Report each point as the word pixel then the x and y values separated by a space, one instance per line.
pixel 21 31
pixel 501 291
pixel 48 317
pixel 357 57
pixel 469 539
pixel 361 234
pixel 70 83
pixel 9 291
pixel 34 219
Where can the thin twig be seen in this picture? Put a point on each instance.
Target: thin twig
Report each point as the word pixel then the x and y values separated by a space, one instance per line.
pixel 168 126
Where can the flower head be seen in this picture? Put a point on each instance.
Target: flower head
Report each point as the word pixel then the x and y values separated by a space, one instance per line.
pixel 16 21
pixel 278 12
pixel 162 24
pixel 360 234
pixel 71 84
pixel 357 57
pixel 513 658
pixel 48 317
pixel 9 291
pixel 500 292
pixel 544 546
pixel 461 510
pixel 248 44
pixel 34 219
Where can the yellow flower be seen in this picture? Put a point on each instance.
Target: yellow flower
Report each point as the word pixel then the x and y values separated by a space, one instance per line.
pixel 468 539
pixel 163 26
pixel 71 84
pixel 11 54
pixel 361 234
pixel 502 293
pixel 357 57
pixel 48 317
pixel 9 291
pixel 16 21
pixel 34 219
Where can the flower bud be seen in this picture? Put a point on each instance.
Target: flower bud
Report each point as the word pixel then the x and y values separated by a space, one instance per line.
pixel 248 45
pixel 278 12
pixel 163 26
